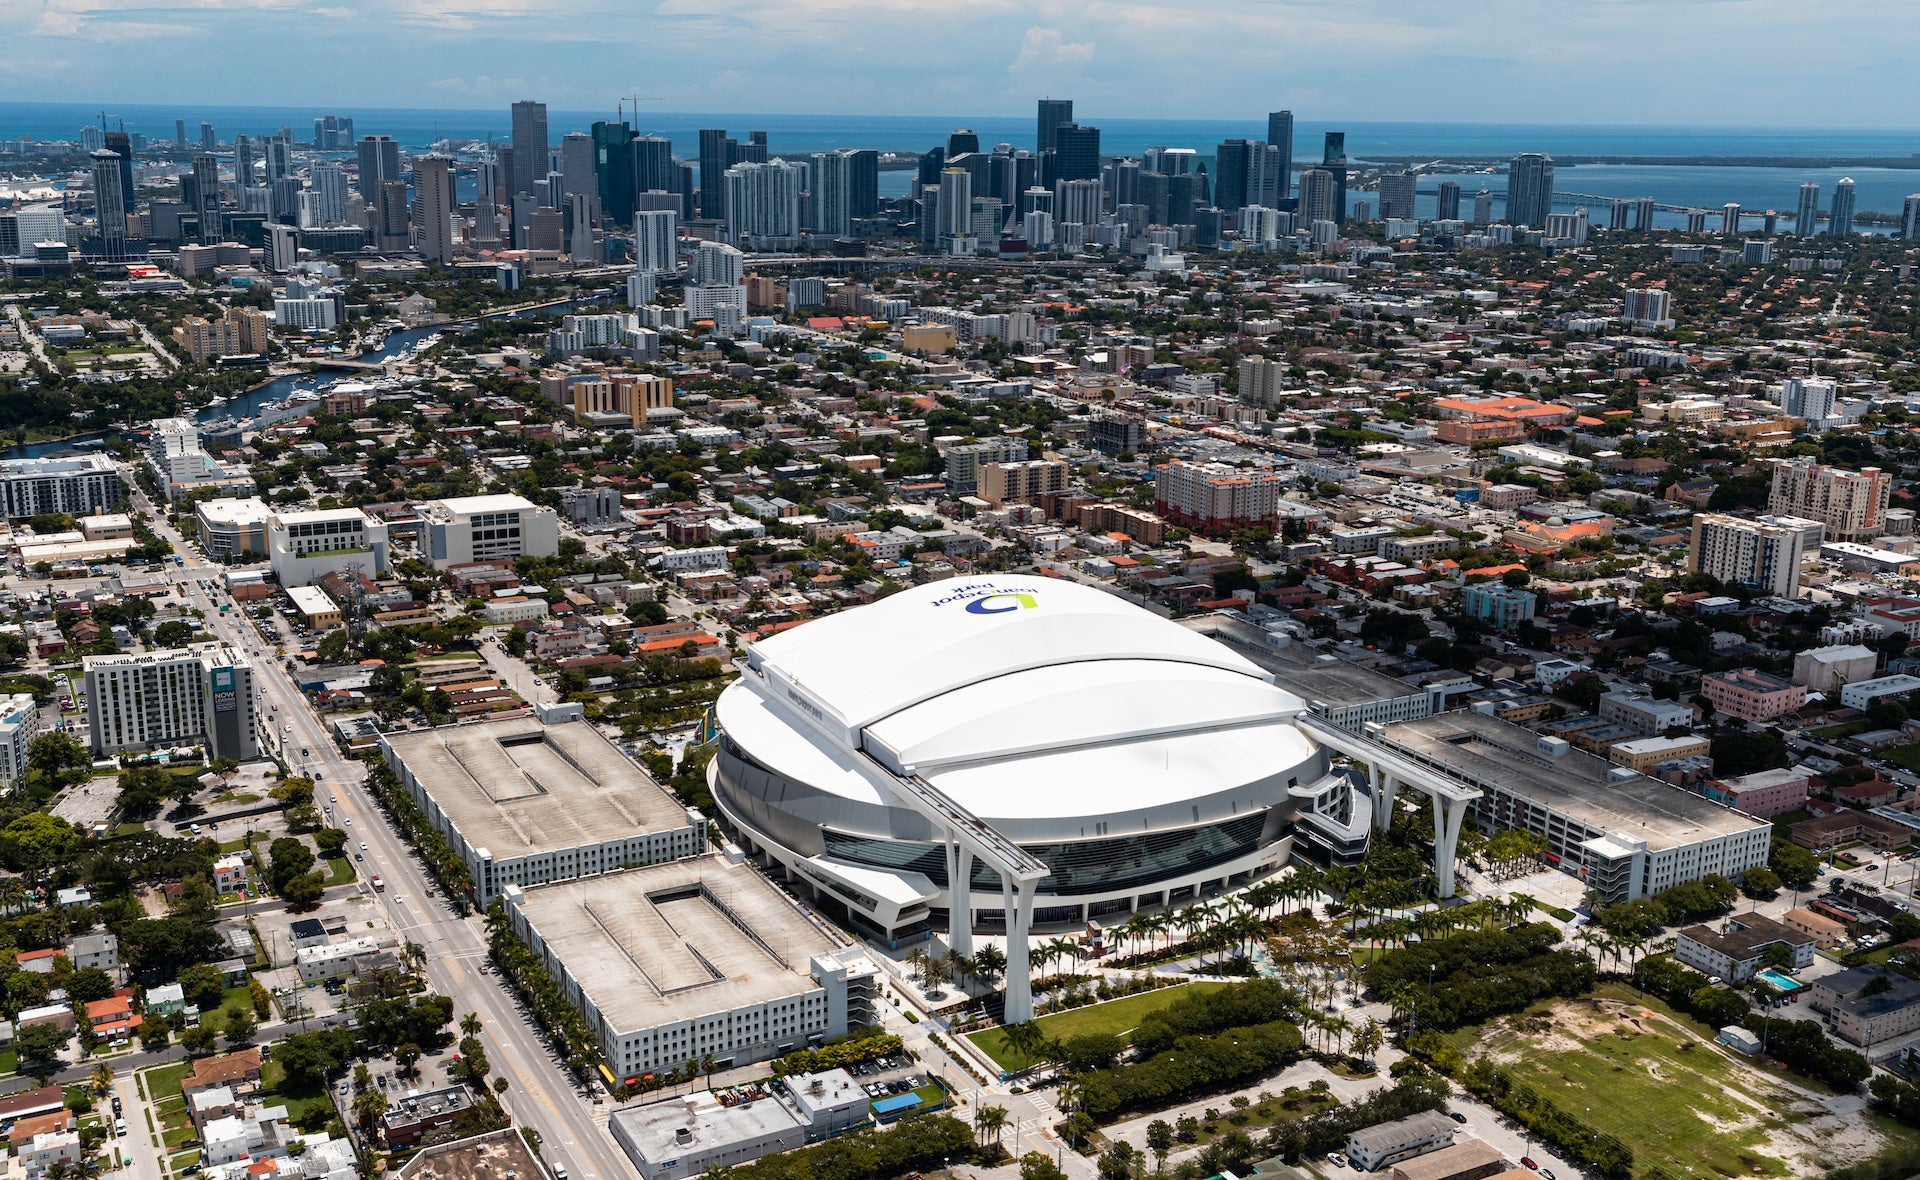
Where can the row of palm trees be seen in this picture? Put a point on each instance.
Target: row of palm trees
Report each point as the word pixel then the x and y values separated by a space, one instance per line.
pixel 935 969
pixel 1625 949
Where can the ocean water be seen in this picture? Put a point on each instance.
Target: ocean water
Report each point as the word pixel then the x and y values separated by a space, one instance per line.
pixel 917 133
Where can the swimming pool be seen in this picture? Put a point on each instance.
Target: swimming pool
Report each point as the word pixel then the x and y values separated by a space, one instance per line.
pixel 1785 983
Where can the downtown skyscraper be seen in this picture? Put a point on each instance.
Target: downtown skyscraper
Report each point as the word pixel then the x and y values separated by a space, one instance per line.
pixel 1054 113
pixel 110 204
pixel 433 208
pixel 529 145
pixel 1333 162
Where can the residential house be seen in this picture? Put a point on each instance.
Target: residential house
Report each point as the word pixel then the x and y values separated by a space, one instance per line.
pixel 1739 950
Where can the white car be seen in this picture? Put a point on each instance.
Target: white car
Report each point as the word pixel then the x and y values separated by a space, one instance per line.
pixel 363 848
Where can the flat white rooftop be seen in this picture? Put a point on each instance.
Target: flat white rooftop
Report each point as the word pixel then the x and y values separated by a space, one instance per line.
pixel 672 942
pixel 518 787
pixel 1486 750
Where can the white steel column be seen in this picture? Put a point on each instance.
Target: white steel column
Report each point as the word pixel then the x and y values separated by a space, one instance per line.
pixel 959 897
pixel 1449 813
pixel 1384 788
pixel 1018 900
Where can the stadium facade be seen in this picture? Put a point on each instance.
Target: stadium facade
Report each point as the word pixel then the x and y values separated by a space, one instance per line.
pixel 1102 757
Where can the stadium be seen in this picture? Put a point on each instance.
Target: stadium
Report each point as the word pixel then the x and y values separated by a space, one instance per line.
pixel 1108 759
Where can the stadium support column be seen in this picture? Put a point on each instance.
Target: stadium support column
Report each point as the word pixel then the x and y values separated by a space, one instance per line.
pixel 959 897
pixel 1382 788
pixel 1448 814
pixel 1017 899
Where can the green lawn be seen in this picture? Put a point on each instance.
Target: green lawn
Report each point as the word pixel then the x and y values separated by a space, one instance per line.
pixel 1658 1085
pixel 9 1061
pixel 272 1081
pixel 1115 1016
pixel 1907 756
pixel 163 1081
pixel 339 870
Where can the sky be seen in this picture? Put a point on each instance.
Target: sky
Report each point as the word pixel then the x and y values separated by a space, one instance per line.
pixel 1844 63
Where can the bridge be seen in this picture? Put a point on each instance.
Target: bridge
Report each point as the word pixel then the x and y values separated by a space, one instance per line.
pixel 1388 770
pixel 969 838
pixel 350 366
pixel 1591 199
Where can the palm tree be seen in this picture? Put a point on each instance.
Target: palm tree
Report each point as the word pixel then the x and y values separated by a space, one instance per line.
pixel 1068 1095
pixel 102 1079
pixel 13 895
pixel 989 1122
pixel 470 1025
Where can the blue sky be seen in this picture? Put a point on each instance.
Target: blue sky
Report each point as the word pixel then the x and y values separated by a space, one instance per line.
pixel 1845 63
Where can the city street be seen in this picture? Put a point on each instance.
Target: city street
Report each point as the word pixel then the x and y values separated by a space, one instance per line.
pixel 540 1094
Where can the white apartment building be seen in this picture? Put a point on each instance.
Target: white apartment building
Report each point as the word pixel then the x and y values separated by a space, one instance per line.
pixel 488 528
pixel 74 485
pixel 19 725
pixel 200 695
pixel 311 315
pixel 181 465
pixel 307 546
pixel 1747 552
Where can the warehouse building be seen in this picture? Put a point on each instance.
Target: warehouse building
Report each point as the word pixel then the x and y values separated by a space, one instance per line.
pixel 529 804
pixel 702 959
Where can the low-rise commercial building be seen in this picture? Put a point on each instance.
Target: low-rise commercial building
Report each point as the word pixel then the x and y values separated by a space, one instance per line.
pixel 680 1138
pixel 694 960
pixel 307 546
pixel 1468 1160
pixel 233 526
pixel 1824 669
pixel 466 529
pixel 1643 754
pixel 1645 715
pixel 1862 694
pixel 527 804
pixel 1383 1144
pixel 314 607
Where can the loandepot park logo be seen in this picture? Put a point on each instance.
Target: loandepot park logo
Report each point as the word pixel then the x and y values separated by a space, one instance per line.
pixel 989 599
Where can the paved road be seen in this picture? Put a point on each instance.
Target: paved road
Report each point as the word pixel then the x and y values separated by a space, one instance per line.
pixel 159 350
pixel 540 1093
pixel 28 336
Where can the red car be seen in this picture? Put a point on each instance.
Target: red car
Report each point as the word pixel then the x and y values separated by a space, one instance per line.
pixel 1528 1161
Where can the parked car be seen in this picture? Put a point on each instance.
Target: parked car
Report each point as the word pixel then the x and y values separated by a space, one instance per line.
pixel 1527 1161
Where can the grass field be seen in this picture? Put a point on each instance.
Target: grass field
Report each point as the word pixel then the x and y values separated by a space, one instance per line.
pixel 339 870
pixel 1115 1016
pixel 1663 1088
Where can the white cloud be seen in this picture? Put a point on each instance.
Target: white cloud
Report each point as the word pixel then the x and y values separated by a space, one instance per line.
pixel 1048 49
